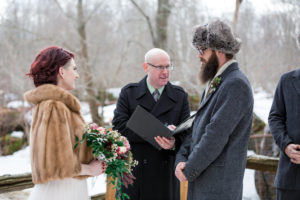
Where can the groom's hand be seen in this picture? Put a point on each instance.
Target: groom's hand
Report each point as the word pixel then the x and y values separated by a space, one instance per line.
pixel 179 171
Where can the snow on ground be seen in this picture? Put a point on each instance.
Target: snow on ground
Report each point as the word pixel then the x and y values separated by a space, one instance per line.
pixel 17 104
pixel 19 162
pixel 262 104
pixel 108 112
pixel 18 134
pixel 114 91
pixel 249 189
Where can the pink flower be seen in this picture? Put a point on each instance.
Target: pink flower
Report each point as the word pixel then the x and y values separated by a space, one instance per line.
pixel 101 130
pixel 121 150
pixel 94 126
pixel 125 142
pixel 127 145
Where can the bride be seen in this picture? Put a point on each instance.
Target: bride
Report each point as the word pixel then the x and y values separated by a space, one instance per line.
pixel 58 171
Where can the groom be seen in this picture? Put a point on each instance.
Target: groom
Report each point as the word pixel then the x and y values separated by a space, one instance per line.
pixel 213 158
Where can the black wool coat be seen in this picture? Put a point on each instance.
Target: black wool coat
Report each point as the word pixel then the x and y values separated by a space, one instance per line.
pixel 154 174
pixel 284 122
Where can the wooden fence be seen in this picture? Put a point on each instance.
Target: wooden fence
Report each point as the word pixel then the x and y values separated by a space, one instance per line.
pixel 10 183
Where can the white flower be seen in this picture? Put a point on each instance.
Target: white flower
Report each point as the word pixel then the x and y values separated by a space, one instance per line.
pixel 121 150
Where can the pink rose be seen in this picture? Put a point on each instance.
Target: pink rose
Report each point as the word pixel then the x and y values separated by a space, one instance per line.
pixel 101 130
pixel 127 145
pixel 94 126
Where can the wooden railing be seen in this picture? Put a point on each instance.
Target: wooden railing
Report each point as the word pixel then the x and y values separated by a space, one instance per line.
pixel 9 183
pixel 262 163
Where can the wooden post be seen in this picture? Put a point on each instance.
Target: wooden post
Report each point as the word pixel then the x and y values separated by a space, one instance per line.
pixel 110 190
pixel 183 190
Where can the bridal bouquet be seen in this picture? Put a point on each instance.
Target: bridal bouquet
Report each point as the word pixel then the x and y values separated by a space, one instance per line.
pixel 114 149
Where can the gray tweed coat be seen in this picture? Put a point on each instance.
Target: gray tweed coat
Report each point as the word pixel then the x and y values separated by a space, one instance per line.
pixel 216 151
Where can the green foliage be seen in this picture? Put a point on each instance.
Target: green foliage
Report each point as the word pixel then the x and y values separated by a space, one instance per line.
pixel 114 149
pixel 194 101
pixel 9 120
pixel 215 83
pixel 10 144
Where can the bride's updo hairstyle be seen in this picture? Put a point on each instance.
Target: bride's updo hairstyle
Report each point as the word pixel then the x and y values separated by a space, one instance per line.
pixel 45 66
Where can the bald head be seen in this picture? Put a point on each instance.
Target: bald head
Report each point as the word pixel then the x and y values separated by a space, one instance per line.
pixel 156 65
pixel 154 54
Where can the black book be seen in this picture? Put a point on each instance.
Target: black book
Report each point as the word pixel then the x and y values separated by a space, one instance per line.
pixel 147 126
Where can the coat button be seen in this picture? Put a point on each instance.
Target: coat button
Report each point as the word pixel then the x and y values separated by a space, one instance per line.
pixel 145 161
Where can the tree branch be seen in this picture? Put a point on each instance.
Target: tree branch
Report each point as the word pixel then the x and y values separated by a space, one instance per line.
pixel 73 20
pixel 63 12
pixel 40 36
pixel 93 11
pixel 147 19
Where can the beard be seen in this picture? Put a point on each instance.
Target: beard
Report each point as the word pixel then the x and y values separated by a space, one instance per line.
pixel 209 69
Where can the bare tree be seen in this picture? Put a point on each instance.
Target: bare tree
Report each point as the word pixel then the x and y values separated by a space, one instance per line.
pixel 81 21
pixel 159 35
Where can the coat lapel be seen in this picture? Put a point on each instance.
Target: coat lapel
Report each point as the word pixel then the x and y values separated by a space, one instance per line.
pixel 166 101
pixel 232 67
pixel 296 81
pixel 144 97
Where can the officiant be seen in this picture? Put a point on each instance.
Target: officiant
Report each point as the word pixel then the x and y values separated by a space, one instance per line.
pixel 154 174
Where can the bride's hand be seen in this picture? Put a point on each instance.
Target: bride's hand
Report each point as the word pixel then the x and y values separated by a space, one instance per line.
pixel 94 168
pixel 104 166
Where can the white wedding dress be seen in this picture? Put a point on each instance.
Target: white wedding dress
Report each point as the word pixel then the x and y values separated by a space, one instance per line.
pixel 65 189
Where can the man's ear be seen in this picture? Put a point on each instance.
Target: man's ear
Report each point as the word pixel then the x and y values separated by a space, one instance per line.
pixel 145 66
pixel 221 56
pixel 218 53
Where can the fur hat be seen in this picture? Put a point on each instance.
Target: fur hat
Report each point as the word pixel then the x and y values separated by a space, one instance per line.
pixel 217 36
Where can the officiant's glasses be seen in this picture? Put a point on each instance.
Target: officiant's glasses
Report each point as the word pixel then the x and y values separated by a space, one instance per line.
pixel 161 68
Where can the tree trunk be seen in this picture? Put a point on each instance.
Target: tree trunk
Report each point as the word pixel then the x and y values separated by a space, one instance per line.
pixel 90 87
pixel 160 35
pixel 236 14
pixel 161 19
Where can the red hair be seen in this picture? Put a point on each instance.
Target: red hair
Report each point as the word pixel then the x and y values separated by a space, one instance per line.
pixel 45 66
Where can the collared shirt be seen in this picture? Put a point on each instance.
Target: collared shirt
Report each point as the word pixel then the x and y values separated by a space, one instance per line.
pixel 152 89
pixel 219 72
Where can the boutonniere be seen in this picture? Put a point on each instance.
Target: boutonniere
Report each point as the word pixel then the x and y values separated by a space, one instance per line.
pixel 215 83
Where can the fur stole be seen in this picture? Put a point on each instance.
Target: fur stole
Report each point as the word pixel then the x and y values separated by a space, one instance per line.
pixel 56 121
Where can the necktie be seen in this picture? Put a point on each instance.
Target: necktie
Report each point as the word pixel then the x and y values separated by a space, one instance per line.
pixel 155 95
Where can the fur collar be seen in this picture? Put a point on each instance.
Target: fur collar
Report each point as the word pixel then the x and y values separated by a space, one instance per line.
pixel 52 92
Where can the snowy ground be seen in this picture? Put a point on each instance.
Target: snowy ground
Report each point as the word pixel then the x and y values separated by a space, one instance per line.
pixel 19 162
pixel 262 104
